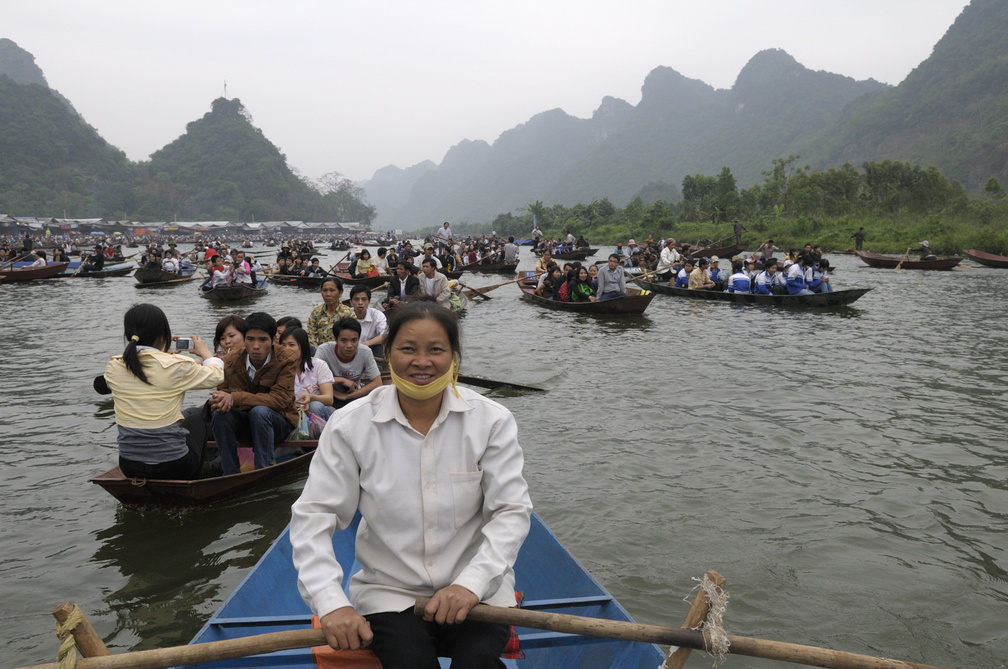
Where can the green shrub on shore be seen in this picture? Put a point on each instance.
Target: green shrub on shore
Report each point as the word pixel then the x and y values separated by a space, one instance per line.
pixel 897 204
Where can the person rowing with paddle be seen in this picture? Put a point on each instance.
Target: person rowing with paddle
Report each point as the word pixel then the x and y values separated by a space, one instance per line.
pixel 95 262
pixel 452 525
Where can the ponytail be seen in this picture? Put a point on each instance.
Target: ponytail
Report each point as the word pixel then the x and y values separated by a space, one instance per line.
pixel 131 358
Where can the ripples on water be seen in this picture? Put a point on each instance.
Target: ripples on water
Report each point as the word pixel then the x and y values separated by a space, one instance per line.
pixel 845 470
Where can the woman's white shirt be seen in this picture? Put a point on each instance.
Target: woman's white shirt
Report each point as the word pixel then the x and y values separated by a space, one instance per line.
pixel 423 500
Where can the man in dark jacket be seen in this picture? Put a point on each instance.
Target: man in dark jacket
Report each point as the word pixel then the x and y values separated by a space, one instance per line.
pixel 402 285
pixel 256 400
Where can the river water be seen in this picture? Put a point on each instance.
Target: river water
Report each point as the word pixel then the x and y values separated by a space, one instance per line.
pixel 845 470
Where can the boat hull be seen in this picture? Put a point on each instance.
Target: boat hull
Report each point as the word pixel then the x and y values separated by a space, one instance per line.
pixel 493 267
pixel 890 262
pixel 200 492
pixel 631 305
pixel 987 259
pixel 234 292
pixel 548 576
pixel 152 275
pixel 19 274
pixel 837 298
pixel 719 251
pixel 109 271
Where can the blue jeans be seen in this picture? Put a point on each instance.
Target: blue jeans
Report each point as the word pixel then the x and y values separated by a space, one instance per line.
pixel 262 426
pixel 610 294
pixel 320 410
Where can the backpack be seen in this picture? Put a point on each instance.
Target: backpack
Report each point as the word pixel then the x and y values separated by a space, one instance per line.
pixel 564 291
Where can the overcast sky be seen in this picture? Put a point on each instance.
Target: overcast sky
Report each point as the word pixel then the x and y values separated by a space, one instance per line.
pixel 354 86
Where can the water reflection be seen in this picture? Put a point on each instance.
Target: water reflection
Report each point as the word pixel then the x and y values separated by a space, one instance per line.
pixel 176 567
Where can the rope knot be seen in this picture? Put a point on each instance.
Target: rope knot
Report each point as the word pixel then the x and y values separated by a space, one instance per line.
pixel 67 653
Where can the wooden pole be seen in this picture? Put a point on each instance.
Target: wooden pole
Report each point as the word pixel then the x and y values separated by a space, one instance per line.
pixel 618 629
pixel 85 637
pixel 696 615
pixel 162 658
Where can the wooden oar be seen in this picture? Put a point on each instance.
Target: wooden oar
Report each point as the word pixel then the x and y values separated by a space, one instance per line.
pixel 163 658
pixel 480 382
pixel 618 629
pixel 906 255
pixel 486 289
pixel 472 292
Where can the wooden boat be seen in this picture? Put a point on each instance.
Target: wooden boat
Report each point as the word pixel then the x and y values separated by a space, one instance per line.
pixel 158 276
pixel 549 577
pixel 582 253
pixel 835 299
pixel 890 262
pixel 988 259
pixel 18 274
pixel 632 304
pixel 452 275
pixel 492 267
pixel 234 292
pixel 313 282
pixel 122 269
pixel 292 456
pixel 719 251
pixel 371 282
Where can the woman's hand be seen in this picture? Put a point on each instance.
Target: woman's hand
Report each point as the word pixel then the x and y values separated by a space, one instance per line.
pixel 200 348
pixel 450 605
pixel 345 629
pixel 302 400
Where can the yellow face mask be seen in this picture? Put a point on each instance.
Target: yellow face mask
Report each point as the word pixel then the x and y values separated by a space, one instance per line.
pixel 429 390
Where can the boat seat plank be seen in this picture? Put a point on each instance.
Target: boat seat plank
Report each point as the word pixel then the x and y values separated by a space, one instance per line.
pixel 565 601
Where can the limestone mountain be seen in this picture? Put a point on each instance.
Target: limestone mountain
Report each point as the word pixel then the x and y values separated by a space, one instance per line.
pixel 224 168
pixel 681 126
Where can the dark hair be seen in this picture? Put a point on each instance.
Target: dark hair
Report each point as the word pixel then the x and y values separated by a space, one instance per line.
pixel 360 288
pixel 301 337
pixel 430 261
pixel 260 320
pixel 143 325
pixel 237 321
pixel 332 279
pixel 737 266
pixel 363 251
pixel 417 311
pixel 346 323
pixel 382 251
pixel 289 322
pixel 613 255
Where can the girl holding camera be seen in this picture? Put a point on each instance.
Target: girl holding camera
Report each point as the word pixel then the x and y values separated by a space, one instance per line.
pixel 148 384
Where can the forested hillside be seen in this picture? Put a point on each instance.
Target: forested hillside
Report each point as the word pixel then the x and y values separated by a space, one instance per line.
pixel 52 161
pixel 951 111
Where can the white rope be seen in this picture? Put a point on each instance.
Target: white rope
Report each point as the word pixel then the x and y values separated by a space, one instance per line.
pixel 713 624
